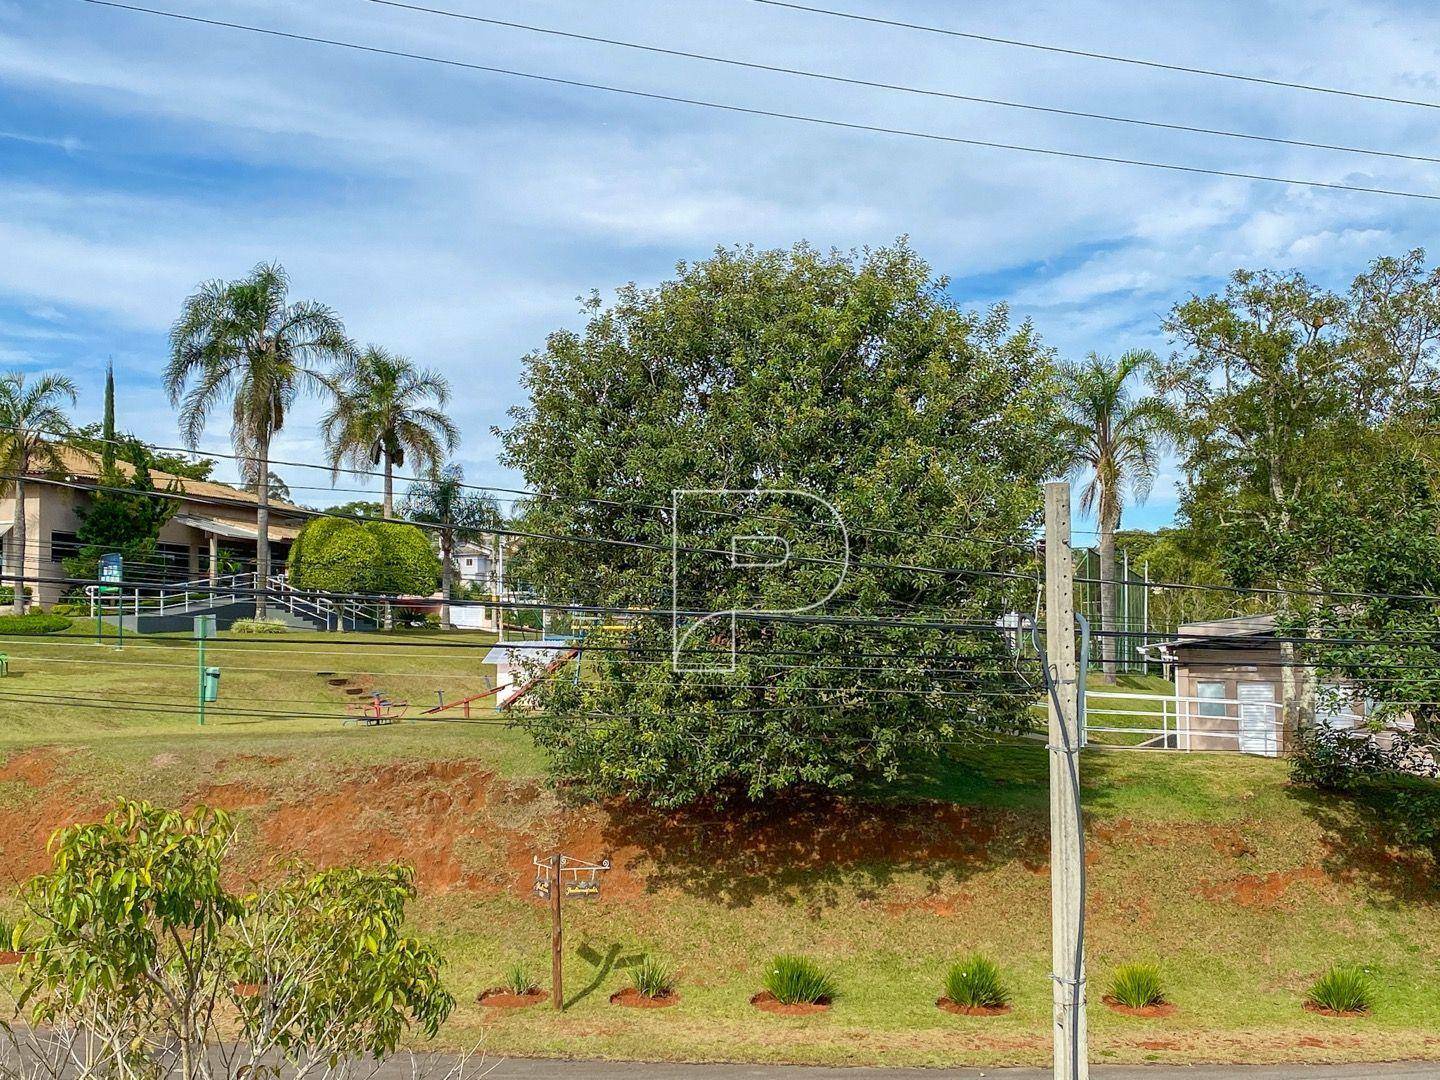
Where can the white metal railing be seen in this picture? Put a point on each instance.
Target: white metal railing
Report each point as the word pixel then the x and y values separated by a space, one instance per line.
pixel 1251 726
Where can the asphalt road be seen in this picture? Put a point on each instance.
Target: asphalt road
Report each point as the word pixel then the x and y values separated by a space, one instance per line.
pixel 529 1069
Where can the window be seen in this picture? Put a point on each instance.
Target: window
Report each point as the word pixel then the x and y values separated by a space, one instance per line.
pixel 1212 698
pixel 63 545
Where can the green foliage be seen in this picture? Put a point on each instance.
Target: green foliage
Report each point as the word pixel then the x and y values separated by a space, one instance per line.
pixel 66 608
pixel 363 508
pixel 372 557
pixel 135 933
pixel 652 978
pixel 34 623
pixel 519 980
pixel 259 626
pixel 125 516
pixel 853 378
pixel 975 982
pixel 1345 989
pixel 1137 986
pixel 798 980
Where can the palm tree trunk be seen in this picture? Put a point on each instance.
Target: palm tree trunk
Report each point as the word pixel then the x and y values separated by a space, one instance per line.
pixel 17 543
pixel 1107 593
pixel 262 525
pixel 387 507
pixel 446 546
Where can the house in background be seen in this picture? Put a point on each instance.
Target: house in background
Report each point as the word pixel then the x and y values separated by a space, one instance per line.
pixel 1229 688
pixel 212 532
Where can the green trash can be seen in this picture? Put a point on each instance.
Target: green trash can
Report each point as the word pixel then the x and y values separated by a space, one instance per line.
pixel 212 683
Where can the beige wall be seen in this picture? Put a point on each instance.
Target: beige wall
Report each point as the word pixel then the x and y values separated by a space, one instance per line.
pixel 1231 668
pixel 50 509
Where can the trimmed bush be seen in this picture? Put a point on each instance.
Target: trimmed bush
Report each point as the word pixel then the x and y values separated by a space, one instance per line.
pixel 70 608
pixel 259 626
pixel 34 623
pixel 1345 989
pixel 652 978
pixel 519 981
pixel 368 557
pixel 798 980
pixel 1137 986
pixel 975 983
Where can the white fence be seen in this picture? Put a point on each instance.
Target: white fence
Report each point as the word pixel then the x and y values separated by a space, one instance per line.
pixel 1250 724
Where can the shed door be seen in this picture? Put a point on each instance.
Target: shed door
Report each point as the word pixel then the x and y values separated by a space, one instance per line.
pixel 1258 718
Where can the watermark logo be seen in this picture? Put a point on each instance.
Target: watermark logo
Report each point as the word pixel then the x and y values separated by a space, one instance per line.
pixel 733 550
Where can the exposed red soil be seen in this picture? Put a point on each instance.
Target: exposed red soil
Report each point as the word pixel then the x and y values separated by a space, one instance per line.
pixel 245 989
pixel 500 998
pixel 1159 1044
pixel 971 1010
pixel 10 956
pixel 1349 1014
pixel 1149 1012
pixel 634 999
pixel 1263 890
pixel 765 1002
pixel 26 829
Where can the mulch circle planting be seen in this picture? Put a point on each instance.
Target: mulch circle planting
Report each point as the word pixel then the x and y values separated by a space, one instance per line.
pixel 971 1010
pixel 634 999
pixel 765 1001
pixel 500 998
pixel 1320 1010
pixel 1148 1012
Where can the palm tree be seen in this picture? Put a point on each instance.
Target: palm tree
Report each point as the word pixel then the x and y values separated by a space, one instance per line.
pixel 380 417
pixel 33 425
pixel 1116 438
pixel 245 341
pixel 443 501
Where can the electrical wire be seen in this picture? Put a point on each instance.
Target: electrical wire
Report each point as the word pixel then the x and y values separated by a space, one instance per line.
pixel 872 84
pixel 844 125
pixel 1089 55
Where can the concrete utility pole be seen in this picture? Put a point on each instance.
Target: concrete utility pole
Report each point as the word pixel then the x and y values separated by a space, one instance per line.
pixel 1067 842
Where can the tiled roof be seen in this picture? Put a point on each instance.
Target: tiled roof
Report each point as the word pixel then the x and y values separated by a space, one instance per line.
pixel 85 465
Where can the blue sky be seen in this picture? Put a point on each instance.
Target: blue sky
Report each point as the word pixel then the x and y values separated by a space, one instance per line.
pixel 457 216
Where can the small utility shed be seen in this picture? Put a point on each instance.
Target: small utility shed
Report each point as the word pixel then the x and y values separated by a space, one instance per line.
pixel 1228 686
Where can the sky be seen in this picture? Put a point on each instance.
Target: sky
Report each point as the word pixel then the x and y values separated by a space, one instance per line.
pixel 458 216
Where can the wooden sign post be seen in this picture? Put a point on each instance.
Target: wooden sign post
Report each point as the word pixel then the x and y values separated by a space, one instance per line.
pixel 550 884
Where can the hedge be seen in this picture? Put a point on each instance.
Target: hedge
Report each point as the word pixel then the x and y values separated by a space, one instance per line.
pixel 34 624
pixel 370 557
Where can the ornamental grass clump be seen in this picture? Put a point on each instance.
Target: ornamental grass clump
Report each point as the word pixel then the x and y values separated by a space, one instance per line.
pixel 798 980
pixel 652 979
pixel 975 983
pixel 519 981
pixel 1137 986
pixel 1343 989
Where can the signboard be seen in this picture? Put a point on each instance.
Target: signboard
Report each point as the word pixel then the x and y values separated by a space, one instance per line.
pixel 112 569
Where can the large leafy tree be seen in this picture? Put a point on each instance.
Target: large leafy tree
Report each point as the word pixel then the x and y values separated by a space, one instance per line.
pixel 246 342
pixel 1114 437
pixel 125 516
pixel 1309 413
pixel 34 424
pixel 383 415
pixel 852 378
pixel 456 515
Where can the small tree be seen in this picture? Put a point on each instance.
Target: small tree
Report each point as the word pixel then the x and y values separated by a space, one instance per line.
pixel 376 558
pixel 124 516
pixel 142 961
pixel 444 501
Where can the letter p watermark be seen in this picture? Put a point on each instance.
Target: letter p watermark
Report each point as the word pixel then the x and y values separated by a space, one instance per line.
pixel 747 553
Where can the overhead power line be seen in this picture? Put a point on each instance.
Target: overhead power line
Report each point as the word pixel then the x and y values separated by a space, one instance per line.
pixel 844 125
pixel 1114 58
pixel 900 87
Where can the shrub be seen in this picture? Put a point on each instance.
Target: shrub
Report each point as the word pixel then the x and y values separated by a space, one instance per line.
pixel 70 608
pixel 653 979
pixel 1343 989
pixel 369 557
pixel 519 981
pixel 798 980
pixel 975 983
pixel 34 623
pixel 1137 986
pixel 259 626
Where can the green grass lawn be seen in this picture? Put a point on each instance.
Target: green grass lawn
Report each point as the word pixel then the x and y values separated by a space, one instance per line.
pixel 1241 887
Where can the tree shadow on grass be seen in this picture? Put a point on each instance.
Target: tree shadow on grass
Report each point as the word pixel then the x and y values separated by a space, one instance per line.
pixel 1362 846
pixel 819 849
pixel 603 963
